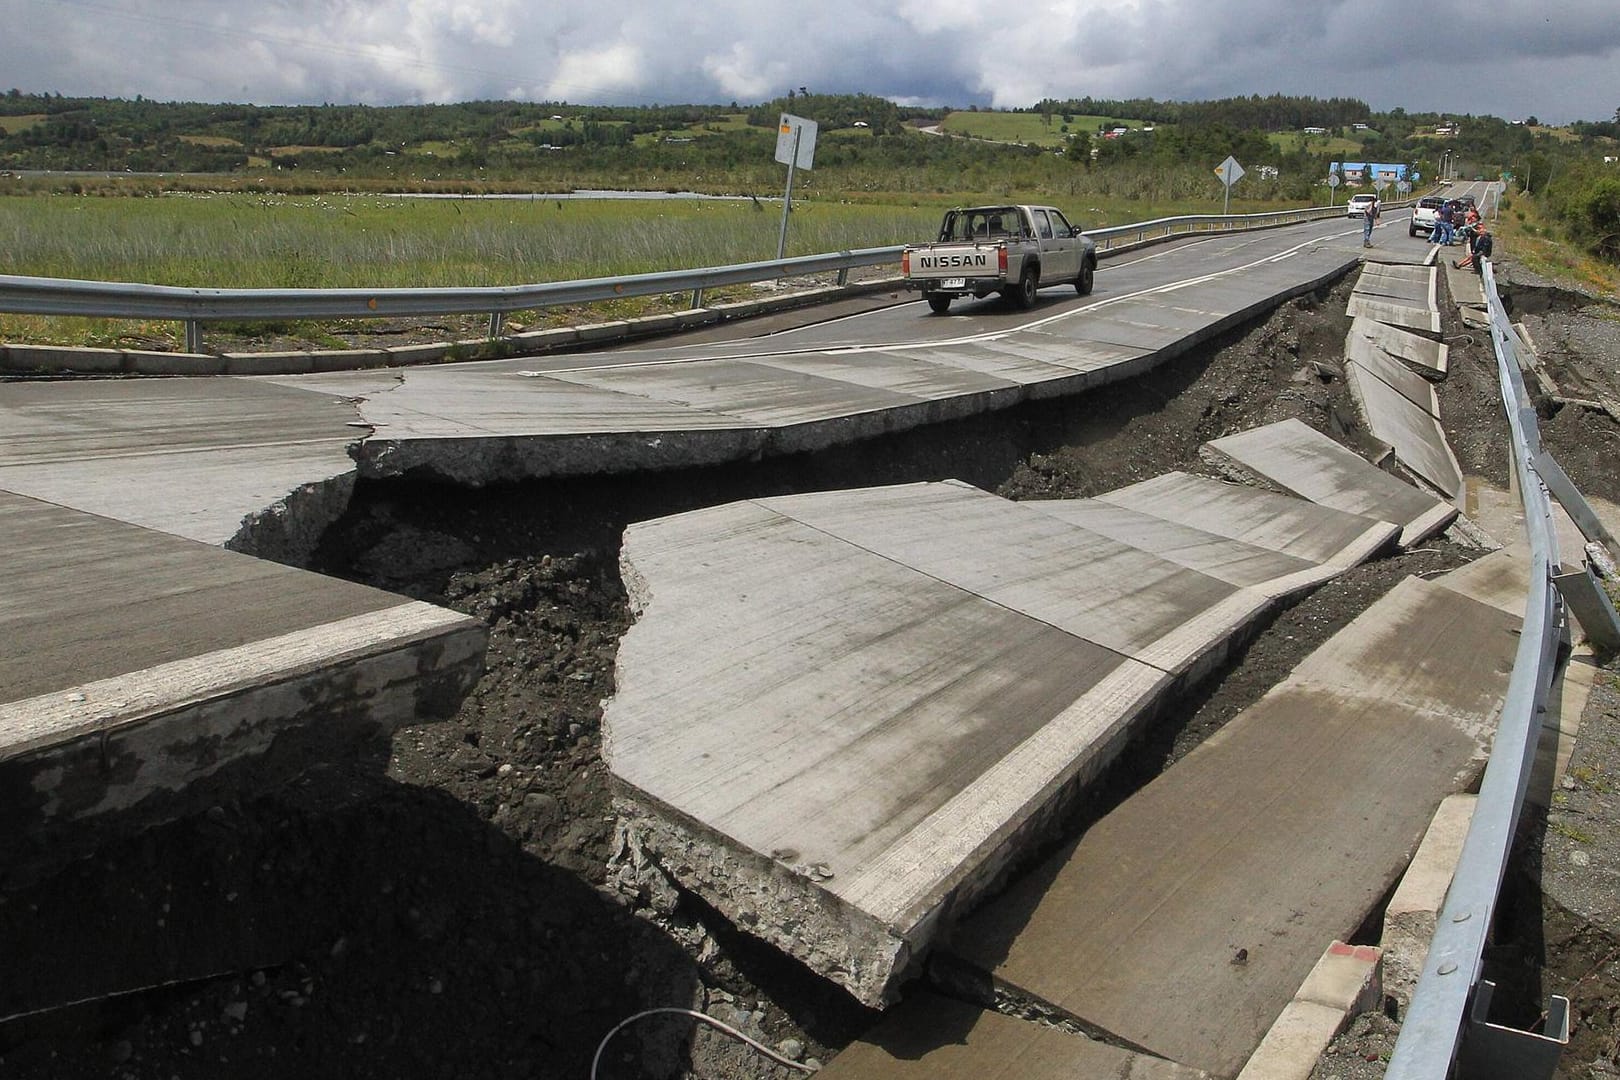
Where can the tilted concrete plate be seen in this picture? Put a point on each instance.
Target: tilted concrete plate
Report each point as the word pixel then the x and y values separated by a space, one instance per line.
pixel 839 715
pixel 1285 524
pixel 1382 390
pixel 217 673
pixel 1186 919
pixel 1301 460
pixel 1424 354
pixel 1273 573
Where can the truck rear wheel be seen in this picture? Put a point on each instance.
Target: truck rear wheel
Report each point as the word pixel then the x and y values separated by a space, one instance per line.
pixel 939 303
pixel 1083 283
pixel 1024 294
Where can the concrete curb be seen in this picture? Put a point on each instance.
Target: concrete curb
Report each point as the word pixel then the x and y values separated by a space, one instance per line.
pixel 72 360
pixel 1413 911
pixel 1345 982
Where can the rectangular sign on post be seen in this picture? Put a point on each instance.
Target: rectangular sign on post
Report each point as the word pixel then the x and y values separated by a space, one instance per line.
pixel 795 148
pixel 796 141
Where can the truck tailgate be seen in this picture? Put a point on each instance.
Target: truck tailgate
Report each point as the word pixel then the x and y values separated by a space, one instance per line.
pixel 954 260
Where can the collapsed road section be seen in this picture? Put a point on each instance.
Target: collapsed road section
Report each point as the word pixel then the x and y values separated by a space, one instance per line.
pixel 216 674
pixel 842 716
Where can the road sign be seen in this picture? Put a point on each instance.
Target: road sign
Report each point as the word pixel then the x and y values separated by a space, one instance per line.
pixel 1380 184
pixel 796 141
pixel 1402 186
pixel 1230 173
pixel 795 148
pixel 1333 179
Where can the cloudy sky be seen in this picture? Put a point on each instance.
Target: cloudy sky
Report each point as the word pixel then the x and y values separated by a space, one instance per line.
pixel 1558 60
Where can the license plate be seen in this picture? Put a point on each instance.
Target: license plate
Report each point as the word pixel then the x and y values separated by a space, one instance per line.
pixel 953 283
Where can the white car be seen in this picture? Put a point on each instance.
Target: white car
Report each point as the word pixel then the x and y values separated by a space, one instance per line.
pixel 1358 204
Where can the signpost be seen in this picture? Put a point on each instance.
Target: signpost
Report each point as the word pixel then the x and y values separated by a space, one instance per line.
pixel 1333 183
pixel 1230 173
pixel 795 148
pixel 1402 188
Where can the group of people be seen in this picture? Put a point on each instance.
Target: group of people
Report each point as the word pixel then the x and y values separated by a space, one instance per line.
pixel 1475 234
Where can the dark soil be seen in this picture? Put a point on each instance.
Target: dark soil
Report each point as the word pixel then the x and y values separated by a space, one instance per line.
pixel 442 909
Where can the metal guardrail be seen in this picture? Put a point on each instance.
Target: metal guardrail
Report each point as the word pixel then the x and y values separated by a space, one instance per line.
pixel 118 300
pixel 1448 1019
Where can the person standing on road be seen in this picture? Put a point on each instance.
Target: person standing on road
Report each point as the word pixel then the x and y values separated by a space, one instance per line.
pixel 1442 224
pixel 1369 218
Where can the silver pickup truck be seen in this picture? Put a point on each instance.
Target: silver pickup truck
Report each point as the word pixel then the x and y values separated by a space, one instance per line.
pixel 1013 250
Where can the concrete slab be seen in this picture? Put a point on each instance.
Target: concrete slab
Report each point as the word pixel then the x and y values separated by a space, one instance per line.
pixel 1232 561
pixel 1300 460
pixel 928 1037
pixel 1412 286
pixel 1500 579
pixel 1396 295
pixel 1466 287
pixel 839 715
pixel 215 671
pixel 215 460
pixel 1185 920
pixel 1117 595
pixel 751 394
pixel 1363 353
pixel 1426 355
pixel 1411 429
pixel 1393 312
pixel 1281 523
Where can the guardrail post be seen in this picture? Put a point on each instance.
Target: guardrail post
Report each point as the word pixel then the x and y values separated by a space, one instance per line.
pixel 697 297
pixel 1493 1052
pixel 497 323
pixel 843 276
pixel 1585 596
pixel 193 336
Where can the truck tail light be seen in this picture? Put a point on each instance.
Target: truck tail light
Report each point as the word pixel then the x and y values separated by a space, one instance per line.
pixel 905 264
pixel 1001 258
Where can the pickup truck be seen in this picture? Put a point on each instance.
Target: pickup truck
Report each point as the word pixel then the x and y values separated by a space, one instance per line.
pixel 1013 250
pixel 1424 215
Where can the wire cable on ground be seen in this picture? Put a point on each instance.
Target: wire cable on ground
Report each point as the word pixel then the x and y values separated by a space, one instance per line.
pixel 707 1019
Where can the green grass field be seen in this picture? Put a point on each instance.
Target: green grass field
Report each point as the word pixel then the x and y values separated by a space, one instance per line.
pixel 331 241
pixel 13 124
pixel 1030 128
pixel 1289 142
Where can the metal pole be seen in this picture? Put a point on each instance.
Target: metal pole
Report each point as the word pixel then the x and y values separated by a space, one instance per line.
pixel 787 199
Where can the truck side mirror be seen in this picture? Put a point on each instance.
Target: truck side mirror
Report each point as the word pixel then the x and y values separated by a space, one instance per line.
pixel 1076 232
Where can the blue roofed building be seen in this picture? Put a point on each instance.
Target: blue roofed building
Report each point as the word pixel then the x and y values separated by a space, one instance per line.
pixel 1367 172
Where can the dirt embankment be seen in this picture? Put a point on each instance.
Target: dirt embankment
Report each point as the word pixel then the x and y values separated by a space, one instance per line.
pixel 441 911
